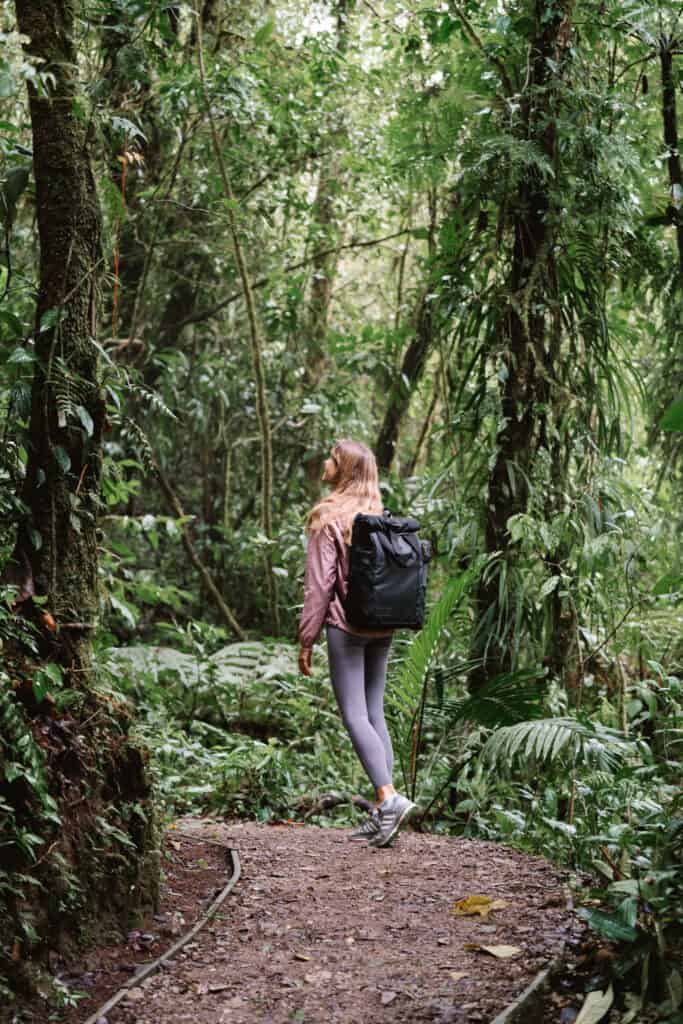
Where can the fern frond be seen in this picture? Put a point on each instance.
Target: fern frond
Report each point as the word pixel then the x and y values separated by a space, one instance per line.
pixel 145 446
pixel 69 389
pixel 153 400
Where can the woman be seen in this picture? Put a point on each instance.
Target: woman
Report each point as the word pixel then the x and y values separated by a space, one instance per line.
pixel 357 658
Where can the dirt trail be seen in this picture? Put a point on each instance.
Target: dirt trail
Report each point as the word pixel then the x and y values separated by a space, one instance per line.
pixel 319 929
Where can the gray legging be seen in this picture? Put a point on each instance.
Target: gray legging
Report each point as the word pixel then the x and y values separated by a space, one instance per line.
pixel 358 667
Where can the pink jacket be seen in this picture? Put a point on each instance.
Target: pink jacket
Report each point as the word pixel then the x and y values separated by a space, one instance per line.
pixel 325 585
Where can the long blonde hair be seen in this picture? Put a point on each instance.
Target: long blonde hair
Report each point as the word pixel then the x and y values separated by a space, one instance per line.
pixel 356 489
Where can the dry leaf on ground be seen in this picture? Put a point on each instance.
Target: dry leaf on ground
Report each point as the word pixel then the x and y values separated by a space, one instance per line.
pixel 595 1007
pixel 500 952
pixel 477 904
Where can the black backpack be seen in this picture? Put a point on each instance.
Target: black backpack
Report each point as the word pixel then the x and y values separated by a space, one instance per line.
pixel 387 573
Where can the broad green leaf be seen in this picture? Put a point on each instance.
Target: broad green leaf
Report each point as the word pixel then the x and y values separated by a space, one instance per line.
pixel 50 319
pixel 548 587
pixel 126 127
pixel 53 671
pixel 673 417
pixel 13 322
pixel 668 584
pixel 39 688
pixel 607 925
pixel 265 32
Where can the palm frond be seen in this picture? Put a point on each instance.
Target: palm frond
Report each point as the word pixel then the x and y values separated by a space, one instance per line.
pixel 546 739
pixel 406 692
pixel 505 700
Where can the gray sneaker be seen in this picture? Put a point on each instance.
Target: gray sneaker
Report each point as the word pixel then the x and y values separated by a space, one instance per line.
pixel 368 829
pixel 394 812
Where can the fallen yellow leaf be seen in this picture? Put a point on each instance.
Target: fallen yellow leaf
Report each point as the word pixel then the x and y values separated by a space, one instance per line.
pixel 477 904
pixel 501 952
pixel 457 975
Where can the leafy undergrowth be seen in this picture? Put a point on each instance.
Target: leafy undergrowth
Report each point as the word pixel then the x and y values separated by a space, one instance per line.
pixel 237 731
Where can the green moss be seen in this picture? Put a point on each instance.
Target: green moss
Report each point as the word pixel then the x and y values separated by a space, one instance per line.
pixel 80 853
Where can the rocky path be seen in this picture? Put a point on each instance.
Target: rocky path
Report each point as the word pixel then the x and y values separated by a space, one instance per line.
pixel 319 929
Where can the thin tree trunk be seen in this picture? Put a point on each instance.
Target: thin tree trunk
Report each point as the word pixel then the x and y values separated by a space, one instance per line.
pixel 671 371
pixel 404 385
pixel 256 352
pixel 61 488
pixel 410 468
pixel 406 380
pixel 328 233
pixel 669 118
pixel 323 272
pixel 227 614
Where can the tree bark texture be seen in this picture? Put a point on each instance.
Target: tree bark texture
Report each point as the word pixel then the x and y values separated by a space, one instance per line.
pixel 62 481
pixel 528 346
pixel 673 151
pixel 94 772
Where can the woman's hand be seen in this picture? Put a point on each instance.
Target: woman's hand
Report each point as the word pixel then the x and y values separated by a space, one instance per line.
pixel 305 654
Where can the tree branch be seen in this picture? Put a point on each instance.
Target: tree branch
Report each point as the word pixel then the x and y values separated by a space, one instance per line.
pixel 474 38
pixel 207 314
pixel 177 508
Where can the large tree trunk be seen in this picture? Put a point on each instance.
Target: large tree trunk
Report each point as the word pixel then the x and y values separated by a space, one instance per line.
pixel 84 880
pixel 527 348
pixel 67 412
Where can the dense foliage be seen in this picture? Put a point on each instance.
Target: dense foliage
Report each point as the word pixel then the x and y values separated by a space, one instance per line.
pixel 454 231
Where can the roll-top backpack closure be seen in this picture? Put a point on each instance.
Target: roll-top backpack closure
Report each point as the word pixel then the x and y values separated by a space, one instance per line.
pixel 398 547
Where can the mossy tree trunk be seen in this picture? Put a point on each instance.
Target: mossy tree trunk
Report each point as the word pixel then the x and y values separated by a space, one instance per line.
pixel 87 801
pixel 67 411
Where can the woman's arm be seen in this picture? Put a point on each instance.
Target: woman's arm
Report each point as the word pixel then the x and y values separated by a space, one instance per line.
pixel 319 582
